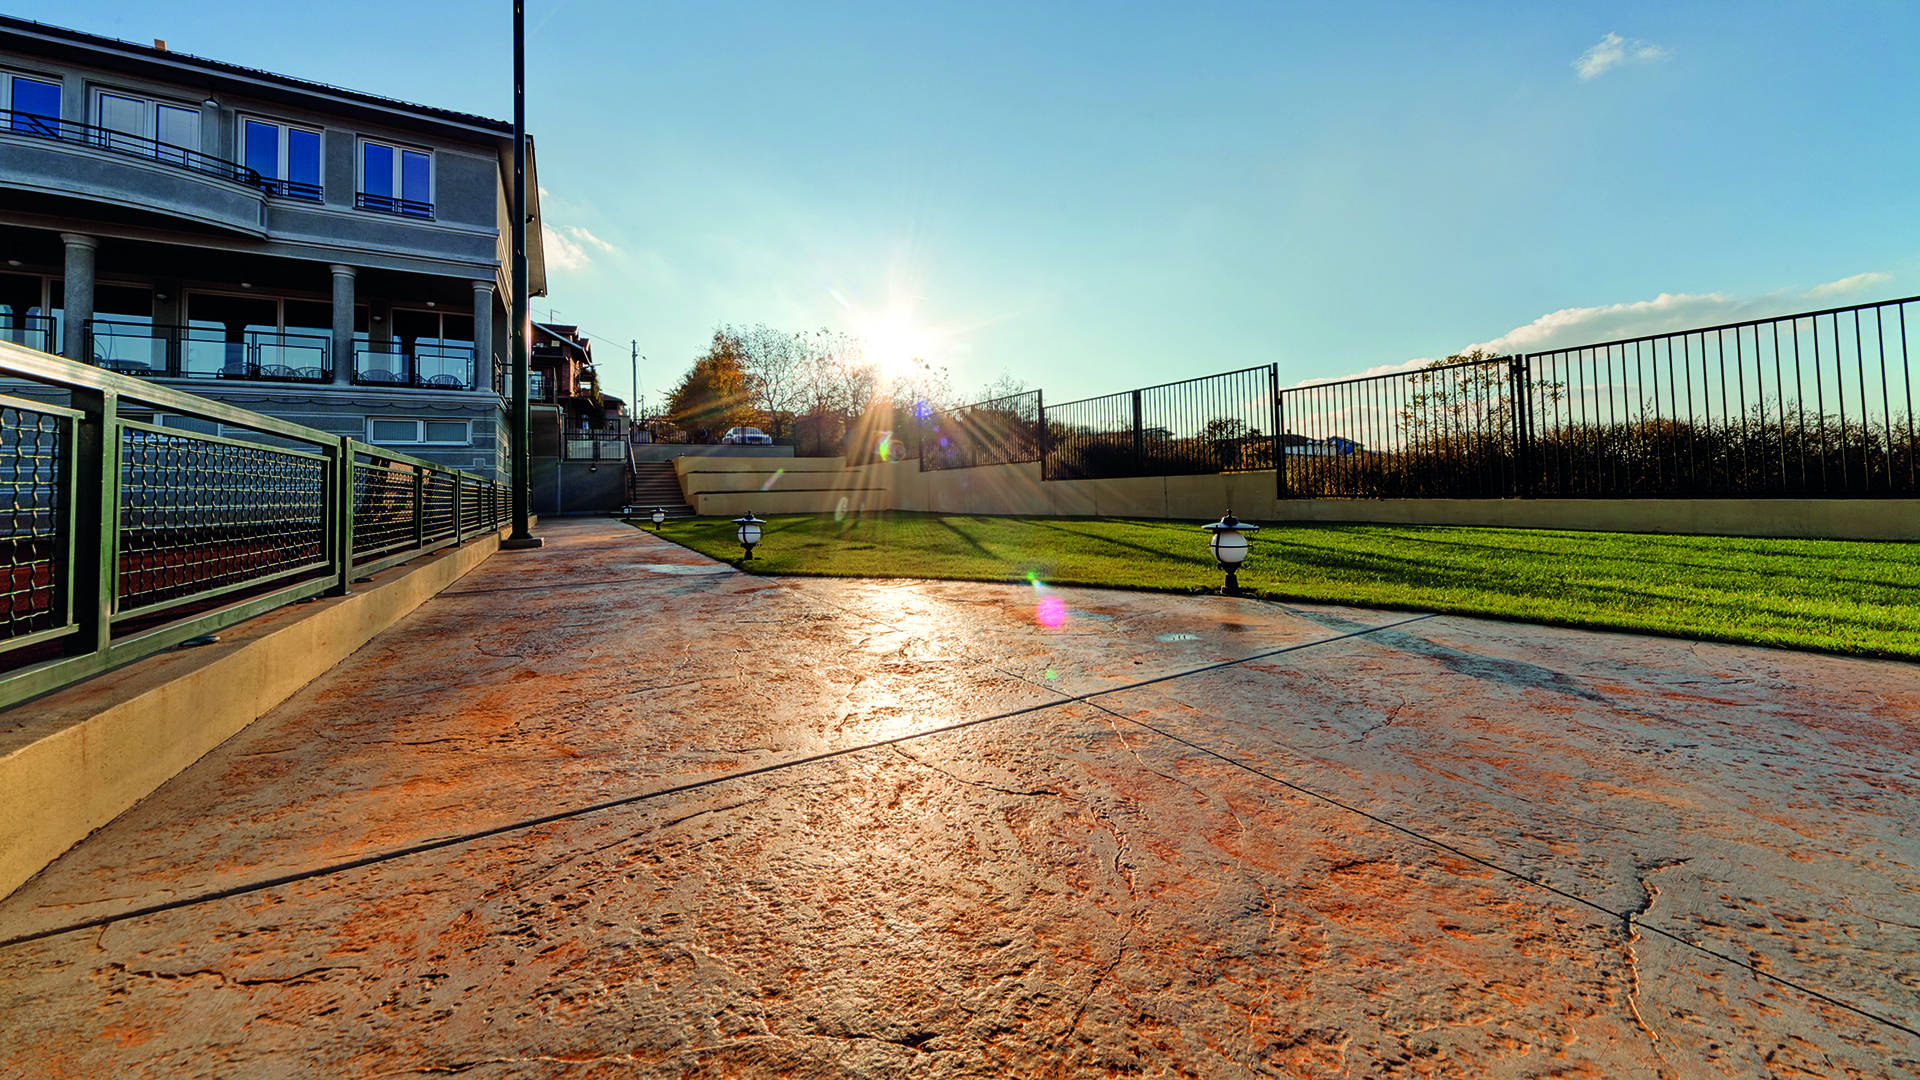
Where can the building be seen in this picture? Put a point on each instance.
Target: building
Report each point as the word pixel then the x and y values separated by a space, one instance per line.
pixel 562 376
pixel 320 254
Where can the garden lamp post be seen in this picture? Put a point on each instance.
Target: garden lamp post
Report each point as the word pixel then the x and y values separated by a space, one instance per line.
pixel 1230 547
pixel 659 517
pixel 749 532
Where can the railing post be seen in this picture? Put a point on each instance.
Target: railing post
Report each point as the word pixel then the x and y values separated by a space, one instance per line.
pixel 1139 437
pixel 1279 418
pixel 95 561
pixel 1040 404
pixel 419 508
pixel 459 519
pixel 343 511
pixel 1522 423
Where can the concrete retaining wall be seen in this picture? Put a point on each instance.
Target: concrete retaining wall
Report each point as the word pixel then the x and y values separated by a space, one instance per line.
pixel 819 485
pixel 73 760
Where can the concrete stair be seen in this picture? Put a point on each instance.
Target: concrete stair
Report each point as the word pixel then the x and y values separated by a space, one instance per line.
pixel 654 484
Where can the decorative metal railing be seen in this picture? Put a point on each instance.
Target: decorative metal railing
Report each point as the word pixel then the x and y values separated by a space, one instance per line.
pixel 1815 404
pixel 1219 423
pixel 204 352
pixel 1004 431
pixel 120 537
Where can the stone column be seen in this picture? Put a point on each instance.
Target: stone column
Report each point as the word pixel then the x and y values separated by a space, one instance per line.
pixel 483 335
pixel 78 301
pixel 343 325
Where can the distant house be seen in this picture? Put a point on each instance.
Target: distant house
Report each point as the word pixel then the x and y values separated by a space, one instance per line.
pixel 1331 446
pixel 562 375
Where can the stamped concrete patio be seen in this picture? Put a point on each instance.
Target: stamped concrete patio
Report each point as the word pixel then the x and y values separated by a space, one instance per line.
pixel 610 809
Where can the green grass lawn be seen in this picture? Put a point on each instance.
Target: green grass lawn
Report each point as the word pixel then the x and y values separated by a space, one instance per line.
pixel 1835 595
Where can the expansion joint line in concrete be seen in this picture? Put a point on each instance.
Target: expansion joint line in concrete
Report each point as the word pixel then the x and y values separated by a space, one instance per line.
pixel 646 796
pixel 1627 919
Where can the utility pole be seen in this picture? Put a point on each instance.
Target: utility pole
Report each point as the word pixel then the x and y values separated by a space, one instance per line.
pixel 521 537
pixel 633 391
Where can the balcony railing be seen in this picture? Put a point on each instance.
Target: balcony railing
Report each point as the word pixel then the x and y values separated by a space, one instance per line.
pixel 387 204
pixel 291 189
pixel 196 352
pixel 137 146
pixel 432 367
pixel 34 331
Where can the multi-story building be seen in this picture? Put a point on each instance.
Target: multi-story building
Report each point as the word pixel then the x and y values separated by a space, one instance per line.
pixel 325 255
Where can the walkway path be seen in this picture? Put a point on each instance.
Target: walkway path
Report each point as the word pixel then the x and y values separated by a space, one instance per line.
pixel 610 809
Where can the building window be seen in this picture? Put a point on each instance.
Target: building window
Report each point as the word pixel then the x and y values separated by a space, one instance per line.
pixel 390 431
pixel 395 180
pixel 148 128
pixel 287 158
pixel 33 105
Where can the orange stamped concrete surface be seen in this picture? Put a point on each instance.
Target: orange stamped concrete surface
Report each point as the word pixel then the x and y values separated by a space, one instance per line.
pixel 609 809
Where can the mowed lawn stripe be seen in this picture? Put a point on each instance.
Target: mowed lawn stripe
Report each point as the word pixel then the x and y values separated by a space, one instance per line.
pixel 1842 596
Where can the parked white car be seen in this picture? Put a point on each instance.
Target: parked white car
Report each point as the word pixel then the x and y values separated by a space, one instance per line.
pixel 746 436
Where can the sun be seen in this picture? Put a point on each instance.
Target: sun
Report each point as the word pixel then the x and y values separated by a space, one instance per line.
pixel 893 343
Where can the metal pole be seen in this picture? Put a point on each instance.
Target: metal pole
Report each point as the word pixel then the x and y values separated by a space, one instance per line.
pixel 522 459
pixel 633 397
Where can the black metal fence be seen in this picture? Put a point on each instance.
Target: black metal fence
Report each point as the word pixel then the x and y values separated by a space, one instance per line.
pixel 1004 431
pixel 1219 423
pixel 1814 404
pixel 121 536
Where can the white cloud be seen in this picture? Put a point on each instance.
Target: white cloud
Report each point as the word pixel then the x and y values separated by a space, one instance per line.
pixel 1614 51
pixel 562 251
pixel 1851 284
pixel 571 247
pixel 580 233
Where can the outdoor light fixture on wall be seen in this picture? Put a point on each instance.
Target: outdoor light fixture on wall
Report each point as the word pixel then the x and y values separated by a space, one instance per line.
pixel 1230 547
pixel 749 532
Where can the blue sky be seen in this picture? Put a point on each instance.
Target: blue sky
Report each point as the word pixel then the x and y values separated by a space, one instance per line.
pixel 1098 196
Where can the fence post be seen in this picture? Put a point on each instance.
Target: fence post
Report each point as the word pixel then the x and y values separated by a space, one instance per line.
pixel 1139 438
pixel 1279 462
pixel 1040 404
pixel 459 520
pixel 1521 422
pixel 94 562
pixel 343 509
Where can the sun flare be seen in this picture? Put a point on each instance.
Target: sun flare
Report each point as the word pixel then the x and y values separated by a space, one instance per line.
pixel 893 342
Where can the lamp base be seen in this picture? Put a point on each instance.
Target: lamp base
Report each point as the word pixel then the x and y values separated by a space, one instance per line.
pixel 522 543
pixel 1233 583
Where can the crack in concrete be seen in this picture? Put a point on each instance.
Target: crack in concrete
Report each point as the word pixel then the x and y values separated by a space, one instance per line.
pixel 1649 892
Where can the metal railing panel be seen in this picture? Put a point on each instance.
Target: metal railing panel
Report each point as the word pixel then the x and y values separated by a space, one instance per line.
pixel 439 521
pixel 383 509
pixel 202 516
pixel 35 521
pixel 1216 423
pixel 1003 431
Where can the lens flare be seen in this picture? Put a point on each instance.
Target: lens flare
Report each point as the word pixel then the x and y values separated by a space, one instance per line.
pixel 768 486
pixel 1051 611
pixel 885 449
pixel 840 510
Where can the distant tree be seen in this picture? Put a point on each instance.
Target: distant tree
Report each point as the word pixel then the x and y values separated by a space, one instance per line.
pixel 717 392
pixel 777 362
pixel 1007 385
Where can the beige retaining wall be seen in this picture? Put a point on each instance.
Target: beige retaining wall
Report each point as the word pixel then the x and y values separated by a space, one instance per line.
pixel 73 760
pixel 826 485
